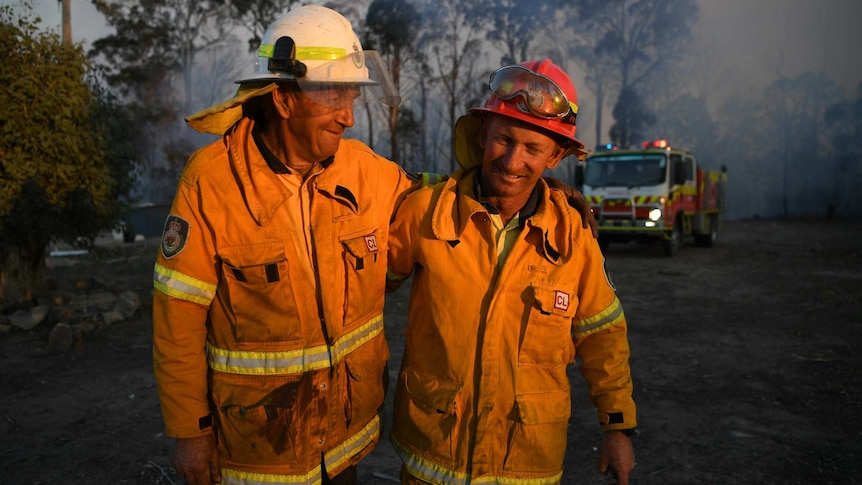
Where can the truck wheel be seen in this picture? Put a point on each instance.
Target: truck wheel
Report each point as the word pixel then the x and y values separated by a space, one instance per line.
pixel 708 240
pixel 673 244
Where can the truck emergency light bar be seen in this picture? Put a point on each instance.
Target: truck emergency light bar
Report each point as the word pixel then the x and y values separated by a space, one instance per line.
pixel 657 144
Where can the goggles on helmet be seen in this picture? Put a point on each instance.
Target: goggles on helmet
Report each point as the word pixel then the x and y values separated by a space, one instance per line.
pixel 543 96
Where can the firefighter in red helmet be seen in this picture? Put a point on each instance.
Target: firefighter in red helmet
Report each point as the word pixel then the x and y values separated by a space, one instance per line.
pixel 509 288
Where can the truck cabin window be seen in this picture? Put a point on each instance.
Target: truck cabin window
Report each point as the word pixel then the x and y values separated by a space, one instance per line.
pixel 626 170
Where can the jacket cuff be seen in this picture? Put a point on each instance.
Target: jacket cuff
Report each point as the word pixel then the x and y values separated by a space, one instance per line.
pixel 617 421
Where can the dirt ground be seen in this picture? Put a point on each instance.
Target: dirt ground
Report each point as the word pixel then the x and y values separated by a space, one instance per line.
pixel 746 362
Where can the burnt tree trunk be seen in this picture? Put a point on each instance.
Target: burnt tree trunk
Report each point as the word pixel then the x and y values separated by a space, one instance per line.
pixel 22 274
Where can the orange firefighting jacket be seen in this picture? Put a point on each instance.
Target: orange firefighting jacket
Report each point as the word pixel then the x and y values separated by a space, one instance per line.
pixel 280 347
pixel 483 395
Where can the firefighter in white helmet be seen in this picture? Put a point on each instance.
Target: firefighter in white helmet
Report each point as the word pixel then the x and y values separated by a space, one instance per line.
pixel 269 351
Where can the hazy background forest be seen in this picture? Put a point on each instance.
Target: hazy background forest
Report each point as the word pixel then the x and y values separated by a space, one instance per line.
pixel 772 89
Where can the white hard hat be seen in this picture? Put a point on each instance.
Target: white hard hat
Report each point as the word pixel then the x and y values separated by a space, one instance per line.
pixel 313 44
pixel 300 41
pixel 315 47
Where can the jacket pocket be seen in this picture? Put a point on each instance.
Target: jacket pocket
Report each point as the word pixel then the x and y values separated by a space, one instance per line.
pixel 258 421
pixel 256 289
pixel 366 372
pixel 548 335
pixel 364 254
pixel 428 414
pixel 538 432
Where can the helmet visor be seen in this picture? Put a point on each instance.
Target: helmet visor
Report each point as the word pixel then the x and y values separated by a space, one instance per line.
pixel 542 95
pixel 354 80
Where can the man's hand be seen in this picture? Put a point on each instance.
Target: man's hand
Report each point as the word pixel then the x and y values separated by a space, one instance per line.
pixel 576 199
pixel 197 460
pixel 616 456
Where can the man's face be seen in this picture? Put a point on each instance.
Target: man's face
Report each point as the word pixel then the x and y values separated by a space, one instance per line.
pixel 320 117
pixel 515 156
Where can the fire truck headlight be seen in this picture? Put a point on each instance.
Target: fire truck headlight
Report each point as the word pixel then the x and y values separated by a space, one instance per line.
pixel 655 214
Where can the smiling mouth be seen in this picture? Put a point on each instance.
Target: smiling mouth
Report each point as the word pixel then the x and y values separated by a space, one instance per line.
pixel 508 176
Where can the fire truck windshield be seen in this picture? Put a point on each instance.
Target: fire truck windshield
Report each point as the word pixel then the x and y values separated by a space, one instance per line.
pixel 635 170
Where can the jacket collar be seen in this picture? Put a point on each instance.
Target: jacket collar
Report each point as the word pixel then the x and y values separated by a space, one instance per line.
pixel 257 171
pixel 457 201
pixel 262 191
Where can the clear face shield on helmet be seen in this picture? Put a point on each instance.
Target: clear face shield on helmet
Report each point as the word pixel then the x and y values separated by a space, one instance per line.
pixel 355 80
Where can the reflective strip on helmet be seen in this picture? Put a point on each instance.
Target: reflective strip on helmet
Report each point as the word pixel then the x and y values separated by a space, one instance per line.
pixel 336 457
pixel 426 470
pixel 254 362
pixel 236 477
pixel 182 286
pixel 606 318
pixel 307 53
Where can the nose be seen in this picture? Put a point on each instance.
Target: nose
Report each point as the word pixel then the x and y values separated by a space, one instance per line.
pixel 509 161
pixel 344 116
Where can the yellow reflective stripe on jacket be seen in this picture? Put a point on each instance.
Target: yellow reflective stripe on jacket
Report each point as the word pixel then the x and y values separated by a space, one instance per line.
pixel 255 362
pixel 182 286
pixel 608 317
pixel 430 178
pixel 429 471
pixel 267 363
pixel 336 457
pixel 350 341
pixel 236 477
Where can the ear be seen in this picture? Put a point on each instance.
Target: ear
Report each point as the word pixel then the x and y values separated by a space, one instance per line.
pixel 282 101
pixel 556 157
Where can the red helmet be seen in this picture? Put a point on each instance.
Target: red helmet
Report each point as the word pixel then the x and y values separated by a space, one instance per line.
pixel 538 93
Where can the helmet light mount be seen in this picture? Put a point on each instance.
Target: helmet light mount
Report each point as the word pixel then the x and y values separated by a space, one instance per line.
pixel 284 58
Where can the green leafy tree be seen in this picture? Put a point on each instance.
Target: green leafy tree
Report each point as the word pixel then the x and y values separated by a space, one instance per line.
pixel 57 181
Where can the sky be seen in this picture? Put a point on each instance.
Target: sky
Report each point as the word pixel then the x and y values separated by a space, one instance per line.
pixel 745 43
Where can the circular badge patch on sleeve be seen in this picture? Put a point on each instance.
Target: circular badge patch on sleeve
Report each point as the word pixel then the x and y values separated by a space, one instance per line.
pixel 174 236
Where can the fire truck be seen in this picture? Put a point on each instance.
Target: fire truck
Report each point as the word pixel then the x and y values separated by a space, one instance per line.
pixel 655 194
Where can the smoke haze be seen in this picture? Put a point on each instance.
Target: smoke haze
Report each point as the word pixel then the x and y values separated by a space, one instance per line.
pixel 755 41
pixel 740 48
